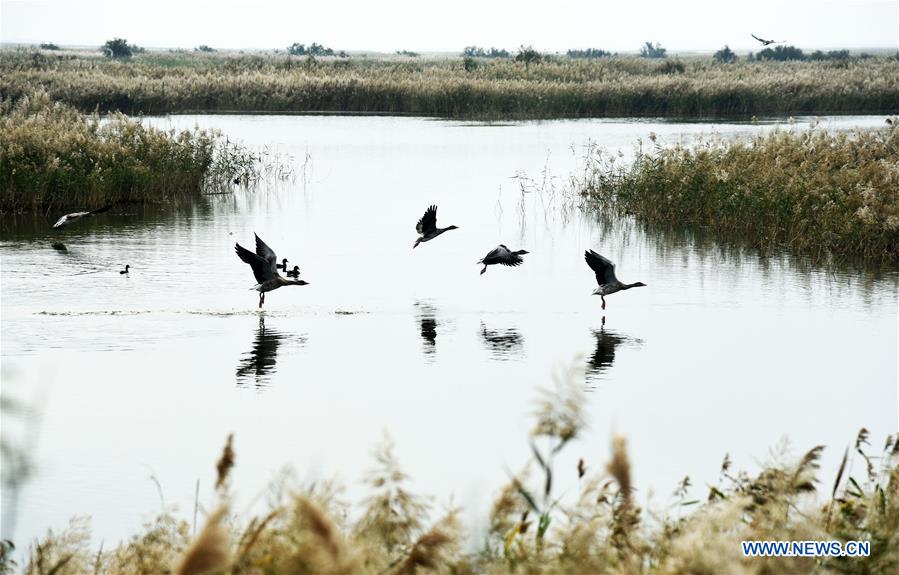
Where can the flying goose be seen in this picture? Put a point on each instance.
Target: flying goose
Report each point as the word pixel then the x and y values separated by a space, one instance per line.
pixel 427 227
pixel 75 216
pixel 605 276
pixel 264 263
pixel 502 255
pixel 765 42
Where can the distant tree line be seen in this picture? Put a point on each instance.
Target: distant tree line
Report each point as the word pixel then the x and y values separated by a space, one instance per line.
pixel 650 50
pixel 204 48
pixel 478 52
pixel 120 48
pixel 49 46
pixel 725 55
pixel 783 53
pixel 589 53
pixel 409 53
pixel 314 49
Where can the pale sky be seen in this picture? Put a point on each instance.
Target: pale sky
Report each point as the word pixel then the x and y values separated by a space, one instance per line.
pixel 389 25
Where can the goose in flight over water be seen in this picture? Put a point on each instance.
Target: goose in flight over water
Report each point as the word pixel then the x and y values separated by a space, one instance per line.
pixel 502 255
pixel 766 42
pixel 427 227
pixel 264 264
pixel 605 276
pixel 75 216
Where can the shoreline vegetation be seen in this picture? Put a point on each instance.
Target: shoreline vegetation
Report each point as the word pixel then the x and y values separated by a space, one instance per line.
pixel 53 156
pixel 597 526
pixel 529 85
pixel 827 194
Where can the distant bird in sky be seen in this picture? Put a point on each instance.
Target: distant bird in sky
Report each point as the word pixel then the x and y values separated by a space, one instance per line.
pixel 427 227
pixel 124 271
pixel 75 216
pixel 502 255
pixel 765 42
pixel 265 270
pixel 605 276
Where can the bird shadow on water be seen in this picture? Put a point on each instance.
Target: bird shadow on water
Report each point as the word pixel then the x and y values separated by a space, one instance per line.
pixel 258 365
pixel 598 364
pixel 502 344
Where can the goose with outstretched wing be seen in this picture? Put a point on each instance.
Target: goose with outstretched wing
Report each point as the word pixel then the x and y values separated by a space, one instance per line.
pixel 503 256
pixel 427 227
pixel 264 264
pixel 765 42
pixel 75 216
pixel 605 276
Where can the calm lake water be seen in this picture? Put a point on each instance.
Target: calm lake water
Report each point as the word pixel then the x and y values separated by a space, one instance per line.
pixel 144 375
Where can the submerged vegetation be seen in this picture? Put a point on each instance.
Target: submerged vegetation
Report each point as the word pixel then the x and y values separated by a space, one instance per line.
pixel 823 193
pixel 53 156
pixel 598 527
pixel 482 83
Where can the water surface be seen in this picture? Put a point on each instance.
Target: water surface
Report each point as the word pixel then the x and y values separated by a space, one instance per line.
pixel 144 375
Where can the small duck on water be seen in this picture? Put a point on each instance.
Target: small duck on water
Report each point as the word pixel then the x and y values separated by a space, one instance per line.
pixel 294 273
pixel 125 271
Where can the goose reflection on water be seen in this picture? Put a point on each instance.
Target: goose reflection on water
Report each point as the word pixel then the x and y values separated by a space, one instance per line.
pixel 503 344
pixel 257 366
pixel 607 341
pixel 427 320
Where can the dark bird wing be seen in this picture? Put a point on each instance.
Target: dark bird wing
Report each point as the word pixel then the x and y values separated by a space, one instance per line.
pixel 428 222
pixel 762 40
pixel 262 270
pixel 266 253
pixel 101 210
pixel 493 256
pixel 502 255
pixel 601 266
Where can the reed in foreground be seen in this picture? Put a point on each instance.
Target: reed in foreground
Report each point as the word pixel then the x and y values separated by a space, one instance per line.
pixel 52 156
pixel 817 192
pixel 599 527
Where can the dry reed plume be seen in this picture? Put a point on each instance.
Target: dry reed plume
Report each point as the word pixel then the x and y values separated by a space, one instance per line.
pixel 533 529
pixel 817 192
pixel 158 83
pixel 52 156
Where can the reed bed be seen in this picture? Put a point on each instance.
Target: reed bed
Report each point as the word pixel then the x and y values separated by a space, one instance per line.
pixel 53 156
pixel 557 86
pixel 599 527
pixel 826 194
